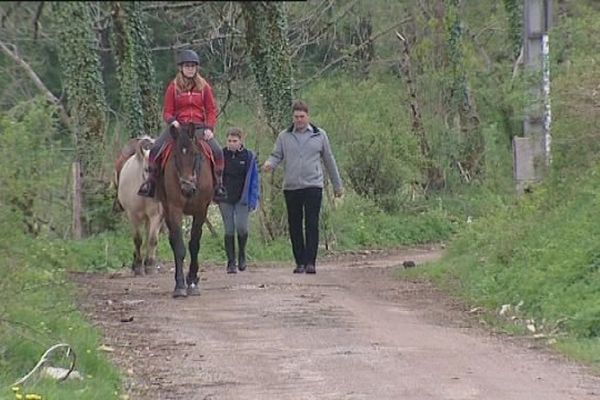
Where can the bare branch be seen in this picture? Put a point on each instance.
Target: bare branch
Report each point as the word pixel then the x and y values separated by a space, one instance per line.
pixel 164 6
pixel 350 54
pixel 323 30
pixel 37 82
pixel 36 20
pixel 8 12
pixel 192 42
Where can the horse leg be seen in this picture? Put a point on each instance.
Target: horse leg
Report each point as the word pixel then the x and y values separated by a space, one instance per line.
pixel 178 247
pixel 136 266
pixel 154 224
pixel 194 246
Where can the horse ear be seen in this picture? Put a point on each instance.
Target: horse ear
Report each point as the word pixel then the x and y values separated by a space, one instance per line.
pixel 146 143
pixel 139 150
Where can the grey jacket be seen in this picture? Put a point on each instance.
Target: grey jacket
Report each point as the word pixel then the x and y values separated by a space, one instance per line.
pixel 302 159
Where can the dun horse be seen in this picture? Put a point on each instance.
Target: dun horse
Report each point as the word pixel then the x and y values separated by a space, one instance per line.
pixel 141 211
pixel 186 188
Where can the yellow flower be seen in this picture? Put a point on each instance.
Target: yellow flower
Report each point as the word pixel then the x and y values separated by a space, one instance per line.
pixel 33 396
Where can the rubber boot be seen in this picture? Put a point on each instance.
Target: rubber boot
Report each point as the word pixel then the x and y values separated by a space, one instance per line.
pixel 300 269
pixel 220 193
pixel 230 251
pixel 242 239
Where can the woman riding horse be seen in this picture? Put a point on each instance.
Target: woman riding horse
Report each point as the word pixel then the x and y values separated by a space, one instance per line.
pixel 188 99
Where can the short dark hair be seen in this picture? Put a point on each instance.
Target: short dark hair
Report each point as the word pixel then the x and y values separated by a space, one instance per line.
pixel 235 132
pixel 299 105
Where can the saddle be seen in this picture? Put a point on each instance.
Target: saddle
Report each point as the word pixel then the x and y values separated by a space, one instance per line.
pixel 164 154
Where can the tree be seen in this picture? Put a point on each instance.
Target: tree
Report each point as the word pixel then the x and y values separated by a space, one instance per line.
pixel 135 69
pixel 80 64
pixel 461 102
pixel 514 9
pixel 266 38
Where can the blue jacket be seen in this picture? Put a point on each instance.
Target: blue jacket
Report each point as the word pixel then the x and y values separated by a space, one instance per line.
pixel 251 191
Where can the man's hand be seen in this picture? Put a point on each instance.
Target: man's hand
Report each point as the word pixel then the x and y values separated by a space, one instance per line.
pixel 339 192
pixel 208 134
pixel 267 167
pixel 175 124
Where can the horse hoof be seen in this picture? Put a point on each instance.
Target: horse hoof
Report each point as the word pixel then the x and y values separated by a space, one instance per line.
pixel 150 270
pixel 179 293
pixel 193 290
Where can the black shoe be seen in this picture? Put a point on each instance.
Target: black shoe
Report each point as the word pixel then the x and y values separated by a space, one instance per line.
pixel 147 189
pixel 310 269
pixel 299 269
pixel 231 268
pixel 220 193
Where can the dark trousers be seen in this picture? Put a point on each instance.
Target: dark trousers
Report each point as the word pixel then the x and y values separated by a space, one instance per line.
pixel 304 204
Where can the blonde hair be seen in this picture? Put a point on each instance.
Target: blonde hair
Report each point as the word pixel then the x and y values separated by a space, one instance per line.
pixel 184 84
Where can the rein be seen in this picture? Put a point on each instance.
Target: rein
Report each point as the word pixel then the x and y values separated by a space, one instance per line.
pixel 186 130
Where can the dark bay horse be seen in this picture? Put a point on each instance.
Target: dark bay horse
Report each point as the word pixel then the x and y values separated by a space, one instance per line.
pixel 185 188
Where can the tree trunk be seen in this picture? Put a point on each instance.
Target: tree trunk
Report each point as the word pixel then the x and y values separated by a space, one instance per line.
pixel 433 175
pixel 85 93
pixel 266 39
pixel 135 70
pixel 514 11
pixel 461 103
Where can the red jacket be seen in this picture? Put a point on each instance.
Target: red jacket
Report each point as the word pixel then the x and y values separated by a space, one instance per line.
pixel 195 106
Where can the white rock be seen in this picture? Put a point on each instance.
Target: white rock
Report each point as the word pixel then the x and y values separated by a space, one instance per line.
pixel 59 373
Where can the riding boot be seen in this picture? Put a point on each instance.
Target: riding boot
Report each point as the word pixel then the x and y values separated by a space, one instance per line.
pixel 220 191
pixel 242 239
pixel 230 251
pixel 149 186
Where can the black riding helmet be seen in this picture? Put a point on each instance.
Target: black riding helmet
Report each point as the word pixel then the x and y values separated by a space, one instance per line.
pixel 188 56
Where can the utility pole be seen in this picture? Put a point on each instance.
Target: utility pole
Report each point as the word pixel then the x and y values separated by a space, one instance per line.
pixel 532 152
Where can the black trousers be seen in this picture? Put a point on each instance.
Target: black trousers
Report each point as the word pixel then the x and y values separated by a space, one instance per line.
pixel 304 204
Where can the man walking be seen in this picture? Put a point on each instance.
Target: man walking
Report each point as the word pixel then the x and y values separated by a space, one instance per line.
pixel 301 147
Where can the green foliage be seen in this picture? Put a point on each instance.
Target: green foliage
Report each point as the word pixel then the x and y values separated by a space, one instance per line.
pixel 135 69
pixel 357 223
pixel 514 11
pixel 37 311
pixel 541 252
pixel 266 28
pixel 372 142
pixel 33 170
pixel 85 91
pixel 83 81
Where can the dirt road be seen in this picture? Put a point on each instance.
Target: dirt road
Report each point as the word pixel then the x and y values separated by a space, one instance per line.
pixel 352 331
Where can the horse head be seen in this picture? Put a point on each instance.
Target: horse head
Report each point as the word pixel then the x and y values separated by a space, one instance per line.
pixel 187 157
pixel 142 152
